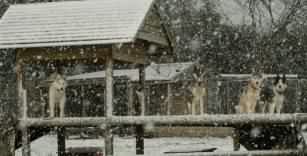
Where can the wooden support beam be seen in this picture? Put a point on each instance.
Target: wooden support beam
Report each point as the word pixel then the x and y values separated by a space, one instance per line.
pixel 26 148
pixel 175 120
pixel 170 99
pixel 109 141
pixel 109 86
pixel 61 141
pixel 109 105
pixel 130 93
pixel 139 139
pixel 84 107
pixel 140 110
pixel 11 141
pixel 24 103
pixel 43 103
pixel 19 72
pixel 236 138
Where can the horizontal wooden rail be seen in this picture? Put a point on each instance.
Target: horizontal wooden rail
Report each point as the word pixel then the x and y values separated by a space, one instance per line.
pixel 245 76
pixel 205 120
pixel 247 153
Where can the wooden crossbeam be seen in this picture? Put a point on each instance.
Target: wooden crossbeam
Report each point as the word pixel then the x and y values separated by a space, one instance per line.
pixel 205 120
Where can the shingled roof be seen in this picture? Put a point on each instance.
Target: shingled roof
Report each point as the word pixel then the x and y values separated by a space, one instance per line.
pixel 88 22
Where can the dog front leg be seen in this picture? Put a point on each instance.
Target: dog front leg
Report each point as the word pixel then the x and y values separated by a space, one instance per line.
pixel 51 104
pixel 278 108
pixel 271 108
pixel 263 107
pixel 62 106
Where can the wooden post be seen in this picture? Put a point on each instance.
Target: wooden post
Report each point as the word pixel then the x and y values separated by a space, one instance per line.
pixel 84 114
pixel 227 107
pixel 140 111
pixel 170 99
pixel 109 105
pixel 24 103
pixel 130 90
pixel 43 103
pixel 19 73
pixel 61 141
pixel 236 138
pixel 298 97
pixel 12 138
pixel 26 149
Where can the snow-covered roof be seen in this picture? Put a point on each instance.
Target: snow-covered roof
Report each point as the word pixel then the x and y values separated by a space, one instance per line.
pixel 154 72
pixel 68 23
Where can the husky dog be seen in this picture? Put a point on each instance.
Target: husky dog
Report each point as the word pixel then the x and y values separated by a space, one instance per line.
pixel 273 96
pixel 251 95
pixel 57 95
pixel 198 91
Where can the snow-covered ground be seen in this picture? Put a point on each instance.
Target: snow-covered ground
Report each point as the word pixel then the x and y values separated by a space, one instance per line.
pixel 46 146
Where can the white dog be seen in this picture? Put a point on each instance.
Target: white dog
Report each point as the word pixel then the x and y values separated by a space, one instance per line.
pixel 57 95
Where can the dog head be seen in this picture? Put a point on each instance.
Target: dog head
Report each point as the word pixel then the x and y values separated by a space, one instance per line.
pixel 256 81
pixel 59 83
pixel 280 83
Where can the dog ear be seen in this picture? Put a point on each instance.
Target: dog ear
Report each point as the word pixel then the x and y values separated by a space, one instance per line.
pixel 284 79
pixel 277 78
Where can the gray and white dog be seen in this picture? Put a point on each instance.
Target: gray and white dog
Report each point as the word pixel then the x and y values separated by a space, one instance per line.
pixel 272 96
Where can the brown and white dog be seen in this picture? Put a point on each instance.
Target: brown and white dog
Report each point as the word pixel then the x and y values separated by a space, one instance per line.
pixel 251 95
pixel 273 95
pixel 57 95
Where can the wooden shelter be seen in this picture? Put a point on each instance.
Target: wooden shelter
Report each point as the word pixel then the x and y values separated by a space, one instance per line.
pixel 93 31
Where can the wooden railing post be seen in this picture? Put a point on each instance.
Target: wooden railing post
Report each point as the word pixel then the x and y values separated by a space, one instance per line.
pixel 61 141
pixel 26 148
pixel 140 110
pixel 109 105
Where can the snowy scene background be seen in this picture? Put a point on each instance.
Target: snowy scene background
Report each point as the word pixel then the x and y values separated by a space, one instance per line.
pixel 225 36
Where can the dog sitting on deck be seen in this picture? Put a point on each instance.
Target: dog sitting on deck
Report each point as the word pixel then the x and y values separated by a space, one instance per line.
pixel 251 95
pixel 273 95
pixel 57 95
